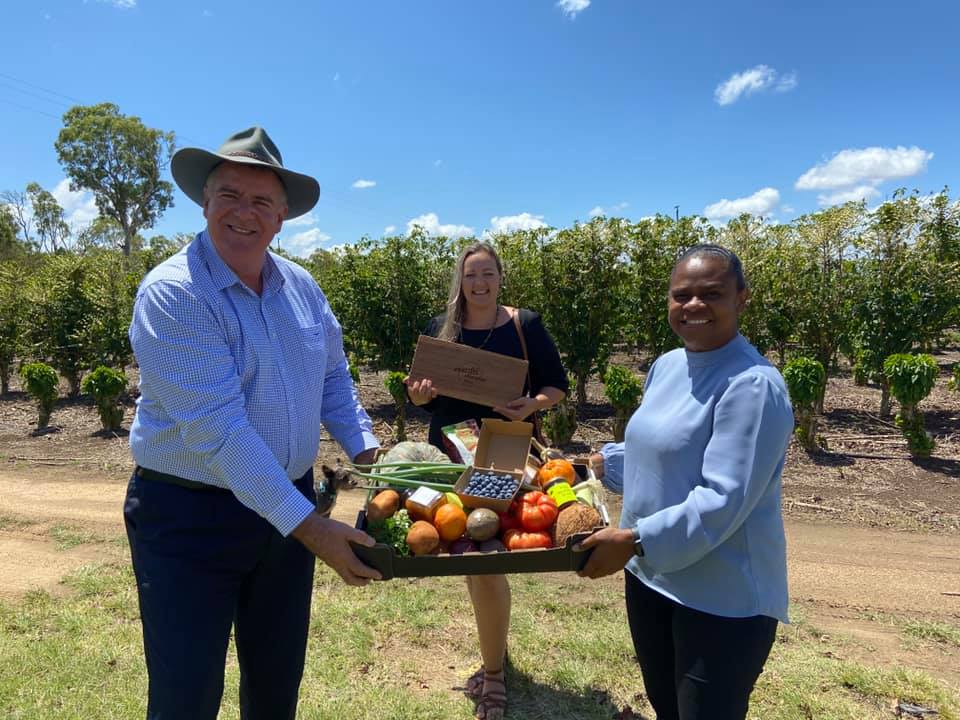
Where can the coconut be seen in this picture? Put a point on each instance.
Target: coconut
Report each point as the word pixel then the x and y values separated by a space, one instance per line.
pixel 574 518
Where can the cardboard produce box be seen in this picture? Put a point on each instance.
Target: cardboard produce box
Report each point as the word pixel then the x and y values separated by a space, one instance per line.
pixel 503 446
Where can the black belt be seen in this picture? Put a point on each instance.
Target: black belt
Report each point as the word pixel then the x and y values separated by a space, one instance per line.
pixel 155 476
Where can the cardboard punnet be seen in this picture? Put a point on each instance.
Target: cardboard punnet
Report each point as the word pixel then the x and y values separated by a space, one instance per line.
pixel 503 446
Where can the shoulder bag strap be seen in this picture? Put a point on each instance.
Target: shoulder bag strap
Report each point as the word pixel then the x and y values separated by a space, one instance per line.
pixel 515 315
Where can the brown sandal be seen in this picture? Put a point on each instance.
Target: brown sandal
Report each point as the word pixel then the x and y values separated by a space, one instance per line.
pixel 492 703
pixel 474 686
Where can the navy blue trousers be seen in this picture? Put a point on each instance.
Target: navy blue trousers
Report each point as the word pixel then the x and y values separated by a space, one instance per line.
pixel 696 666
pixel 206 564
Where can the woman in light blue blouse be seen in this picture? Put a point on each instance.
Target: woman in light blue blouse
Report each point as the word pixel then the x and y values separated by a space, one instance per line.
pixel 701 533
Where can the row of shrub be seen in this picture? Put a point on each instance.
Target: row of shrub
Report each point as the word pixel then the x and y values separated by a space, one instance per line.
pixel 846 282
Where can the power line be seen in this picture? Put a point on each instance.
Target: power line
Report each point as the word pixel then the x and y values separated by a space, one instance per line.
pixel 39 87
pixel 24 107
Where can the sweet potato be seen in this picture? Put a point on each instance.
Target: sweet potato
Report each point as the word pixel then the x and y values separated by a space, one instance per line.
pixel 383 505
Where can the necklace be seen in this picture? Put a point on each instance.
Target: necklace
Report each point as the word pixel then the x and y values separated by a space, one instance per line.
pixel 496 316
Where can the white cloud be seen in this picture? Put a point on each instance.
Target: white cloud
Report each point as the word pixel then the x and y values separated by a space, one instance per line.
pixel 79 208
pixel 748 82
pixel 122 4
pixel 869 166
pixel 511 223
pixel 861 192
pixel 431 225
pixel 611 211
pixel 571 8
pixel 302 221
pixel 389 229
pixel 363 184
pixel 760 203
pixel 786 83
pixel 304 243
pixel 787 209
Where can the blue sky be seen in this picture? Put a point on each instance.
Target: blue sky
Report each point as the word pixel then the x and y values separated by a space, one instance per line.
pixel 473 116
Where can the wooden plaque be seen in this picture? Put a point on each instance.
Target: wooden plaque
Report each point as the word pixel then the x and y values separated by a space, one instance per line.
pixel 465 373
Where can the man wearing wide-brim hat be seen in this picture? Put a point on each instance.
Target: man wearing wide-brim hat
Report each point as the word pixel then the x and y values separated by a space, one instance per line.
pixel 241 360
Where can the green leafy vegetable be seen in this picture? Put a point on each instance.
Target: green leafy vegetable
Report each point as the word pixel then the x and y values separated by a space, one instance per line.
pixel 393 532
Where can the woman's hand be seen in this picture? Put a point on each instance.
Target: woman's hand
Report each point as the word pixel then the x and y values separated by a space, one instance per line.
pixel 525 406
pixel 420 391
pixel 519 409
pixel 612 549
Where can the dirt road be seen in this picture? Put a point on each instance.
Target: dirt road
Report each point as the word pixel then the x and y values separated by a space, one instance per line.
pixel 848 580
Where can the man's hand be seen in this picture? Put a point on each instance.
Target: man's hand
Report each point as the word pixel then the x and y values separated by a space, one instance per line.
pixel 612 549
pixel 420 391
pixel 366 457
pixel 328 540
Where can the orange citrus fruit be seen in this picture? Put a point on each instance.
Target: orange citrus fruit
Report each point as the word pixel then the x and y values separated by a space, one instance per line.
pixel 558 468
pixel 450 522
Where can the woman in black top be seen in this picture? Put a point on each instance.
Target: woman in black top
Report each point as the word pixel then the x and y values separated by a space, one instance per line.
pixel 475 317
pixel 546 370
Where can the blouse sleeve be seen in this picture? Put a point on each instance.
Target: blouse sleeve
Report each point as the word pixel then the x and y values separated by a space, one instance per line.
pixel 546 368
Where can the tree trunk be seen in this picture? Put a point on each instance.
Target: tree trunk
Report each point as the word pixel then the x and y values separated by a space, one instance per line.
pixel 884 399
pixel 400 423
pixel 620 426
pixel 581 389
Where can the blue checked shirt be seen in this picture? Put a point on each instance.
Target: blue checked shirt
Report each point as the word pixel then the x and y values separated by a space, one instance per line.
pixel 234 386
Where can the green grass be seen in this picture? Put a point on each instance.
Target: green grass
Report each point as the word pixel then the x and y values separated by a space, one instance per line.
pixel 9 522
pixel 939 632
pixel 928 630
pixel 68 536
pixel 397 650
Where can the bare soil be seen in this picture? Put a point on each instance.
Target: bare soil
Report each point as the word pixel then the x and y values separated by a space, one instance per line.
pixel 873 535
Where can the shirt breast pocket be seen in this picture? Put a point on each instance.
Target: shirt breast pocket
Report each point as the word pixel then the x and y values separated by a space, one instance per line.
pixel 314 338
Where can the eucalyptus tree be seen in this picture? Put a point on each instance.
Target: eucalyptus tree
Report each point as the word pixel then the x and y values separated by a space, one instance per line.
pixel 119 160
pixel 10 244
pixel 48 218
pixel 18 205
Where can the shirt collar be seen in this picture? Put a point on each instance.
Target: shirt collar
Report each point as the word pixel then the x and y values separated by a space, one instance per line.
pixel 223 277
pixel 711 357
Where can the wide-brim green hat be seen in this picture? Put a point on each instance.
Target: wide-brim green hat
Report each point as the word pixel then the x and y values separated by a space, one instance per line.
pixel 191 167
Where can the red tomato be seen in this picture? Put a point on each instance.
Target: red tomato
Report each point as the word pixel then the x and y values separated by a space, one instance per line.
pixel 508 521
pixel 539 511
pixel 520 540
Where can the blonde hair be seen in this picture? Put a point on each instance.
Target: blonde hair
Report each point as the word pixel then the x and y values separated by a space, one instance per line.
pixel 456 303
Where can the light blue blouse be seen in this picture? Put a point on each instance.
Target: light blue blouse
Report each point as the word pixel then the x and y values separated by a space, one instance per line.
pixel 700 476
